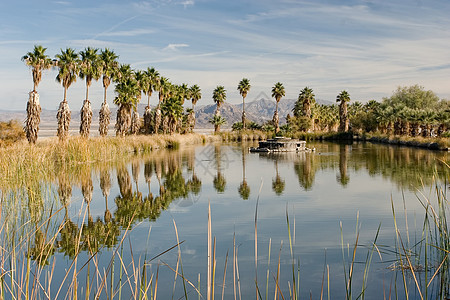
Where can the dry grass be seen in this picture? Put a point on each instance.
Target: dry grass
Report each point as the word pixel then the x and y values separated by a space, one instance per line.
pixel 21 163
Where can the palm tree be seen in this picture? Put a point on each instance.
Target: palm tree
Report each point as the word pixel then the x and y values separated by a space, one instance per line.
pixel 196 94
pixel 277 92
pixel 91 68
pixel 219 96
pixel 243 88
pixel 38 61
pixel 303 105
pixel 69 67
pixel 343 98
pixel 173 110
pixel 127 92
pixel 151 85
pixel 109 67
pixel 163 88
pixel 142 82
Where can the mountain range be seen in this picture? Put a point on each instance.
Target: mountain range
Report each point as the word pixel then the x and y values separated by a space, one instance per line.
pixel 259 111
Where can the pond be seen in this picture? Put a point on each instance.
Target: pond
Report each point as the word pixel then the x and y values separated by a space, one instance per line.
pixel 118 225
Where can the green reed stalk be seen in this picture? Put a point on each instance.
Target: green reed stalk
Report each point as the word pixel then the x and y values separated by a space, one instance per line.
pixel 208 276
pixel 268 266
pixel 224 275
pixel 397 243
pixel 256 248
pixel 294 289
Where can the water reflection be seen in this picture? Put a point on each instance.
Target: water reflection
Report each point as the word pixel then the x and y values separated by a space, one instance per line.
pixel 244 188
pixel 219 181
pixel 170 176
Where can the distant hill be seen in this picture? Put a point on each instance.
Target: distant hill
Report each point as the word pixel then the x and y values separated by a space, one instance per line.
pixel 258 111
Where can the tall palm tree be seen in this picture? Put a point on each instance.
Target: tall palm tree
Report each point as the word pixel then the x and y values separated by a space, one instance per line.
pixel 277 92
pixel 304 104
pixel 243 88
pixel 141 79
pixel 196 94
pixel 219 96
pixel 127 93
pixel 343 98
pixel 91 68
pixel 151 85
pixel 38 61
pixel 109 67
pixel 69 67
pixel 163 88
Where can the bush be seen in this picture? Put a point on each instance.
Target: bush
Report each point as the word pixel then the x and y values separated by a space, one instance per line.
pixel 10 132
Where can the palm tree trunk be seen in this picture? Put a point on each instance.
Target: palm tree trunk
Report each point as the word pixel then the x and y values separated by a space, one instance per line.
pixel 104 117
pixel 243 113
pixel 33 117
pixel 135 123
pixel 104 97
pixel 147 120
pixel 87 91
pixel 63 117
pixel 86 119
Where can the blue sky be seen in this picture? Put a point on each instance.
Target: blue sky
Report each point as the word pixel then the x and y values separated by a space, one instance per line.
pixel 368 48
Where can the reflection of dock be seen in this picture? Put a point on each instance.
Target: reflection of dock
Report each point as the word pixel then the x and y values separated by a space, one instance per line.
pixel 280 144
pixel 284 156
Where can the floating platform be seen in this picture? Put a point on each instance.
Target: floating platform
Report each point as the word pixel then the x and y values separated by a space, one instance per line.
pixel 280 144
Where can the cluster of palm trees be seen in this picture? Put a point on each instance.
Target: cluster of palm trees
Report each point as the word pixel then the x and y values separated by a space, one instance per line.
pixel 92 64
pixel 219 96
pixel 410 111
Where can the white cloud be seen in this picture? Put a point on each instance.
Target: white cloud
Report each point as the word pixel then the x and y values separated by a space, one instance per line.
pixel 174 47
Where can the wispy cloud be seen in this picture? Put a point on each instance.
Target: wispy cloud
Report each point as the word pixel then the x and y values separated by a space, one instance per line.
pixel 187 3
pixel 174 47
pixel 133 32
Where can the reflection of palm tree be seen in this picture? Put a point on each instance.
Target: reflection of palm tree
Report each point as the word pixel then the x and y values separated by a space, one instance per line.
pixel 124 181
pixel 305 171
pixel 278 183
pixel 219 181
pixel 244 188
pixel 42 249
pixel 343 177
pixel 135 170
pixel 105 185
pixel 148 173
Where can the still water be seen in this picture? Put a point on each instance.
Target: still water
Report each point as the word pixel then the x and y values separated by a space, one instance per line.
pixel 137 209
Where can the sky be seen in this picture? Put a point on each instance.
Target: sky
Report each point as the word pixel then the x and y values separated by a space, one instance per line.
pixel 367 47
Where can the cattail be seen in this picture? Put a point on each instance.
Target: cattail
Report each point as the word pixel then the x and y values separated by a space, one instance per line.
pixel 63 117
pixel 86 118
pixel 104 117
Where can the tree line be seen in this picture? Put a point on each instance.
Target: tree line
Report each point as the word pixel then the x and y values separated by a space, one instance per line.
pixel 410 111
pixel 93 64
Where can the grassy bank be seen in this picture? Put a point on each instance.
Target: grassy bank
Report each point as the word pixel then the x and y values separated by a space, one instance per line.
pixel 441 143
pixel 22 164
